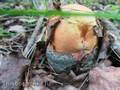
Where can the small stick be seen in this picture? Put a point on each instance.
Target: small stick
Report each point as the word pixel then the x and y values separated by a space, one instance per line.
pixel 79 77
pixel 72 74
pixel 33 38
pixel 86 79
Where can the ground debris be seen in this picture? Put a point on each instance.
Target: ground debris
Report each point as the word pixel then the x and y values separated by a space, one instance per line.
pixel 106 78
pixel 11 67
pixel 26 36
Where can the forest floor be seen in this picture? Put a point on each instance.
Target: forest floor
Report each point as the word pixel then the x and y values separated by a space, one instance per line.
pixel 23 66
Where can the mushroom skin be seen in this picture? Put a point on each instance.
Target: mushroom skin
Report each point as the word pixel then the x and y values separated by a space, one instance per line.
pixel 73 39
pixel 74 33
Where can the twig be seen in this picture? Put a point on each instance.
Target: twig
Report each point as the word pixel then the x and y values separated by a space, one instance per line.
pixel 72 74
pixel 79 77
pixel 32 40
pixel 116 53
pixel 114 58
pixel 86 79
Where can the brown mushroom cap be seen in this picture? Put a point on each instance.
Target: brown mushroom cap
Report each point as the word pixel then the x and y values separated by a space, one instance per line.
pixel 74 33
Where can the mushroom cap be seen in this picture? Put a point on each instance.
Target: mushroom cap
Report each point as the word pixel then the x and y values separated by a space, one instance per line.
pixel 74 33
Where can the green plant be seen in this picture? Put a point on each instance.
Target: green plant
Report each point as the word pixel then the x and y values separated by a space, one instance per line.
pixel 32 12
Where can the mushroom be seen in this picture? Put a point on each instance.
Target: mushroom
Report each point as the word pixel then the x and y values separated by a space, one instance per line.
pixel 74 33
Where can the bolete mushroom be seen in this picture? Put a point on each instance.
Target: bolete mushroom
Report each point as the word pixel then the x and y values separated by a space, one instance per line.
pixel 74 33
pixel 73 38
